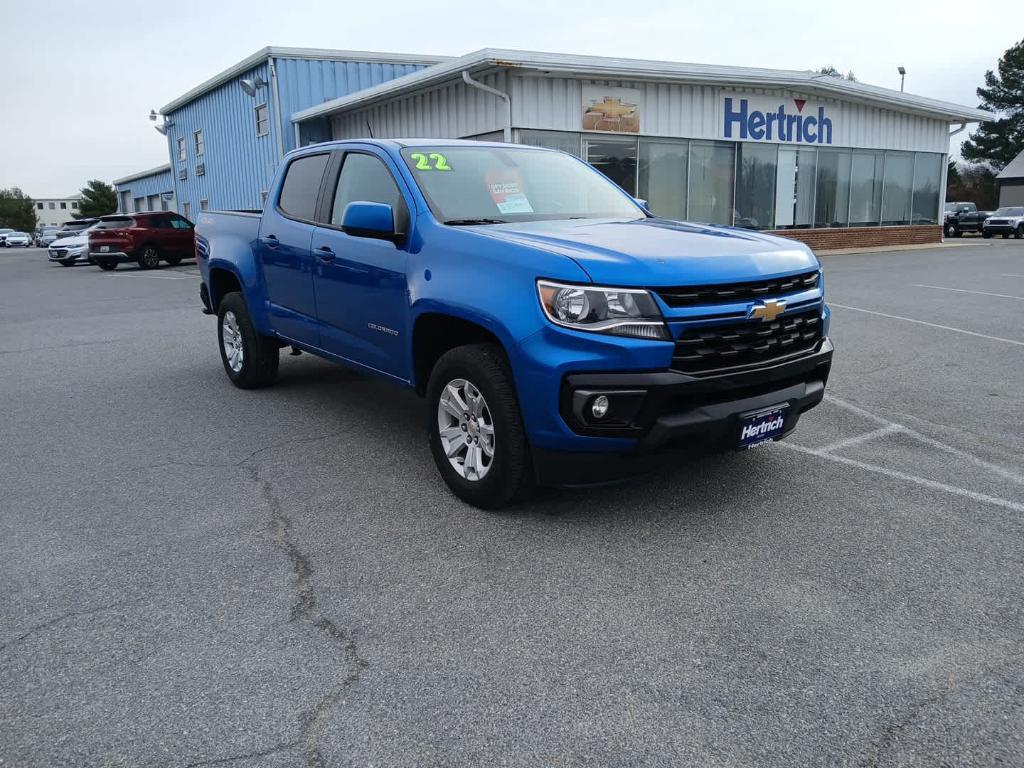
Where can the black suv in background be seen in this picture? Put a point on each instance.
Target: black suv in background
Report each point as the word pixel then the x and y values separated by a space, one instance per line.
pixel 963 217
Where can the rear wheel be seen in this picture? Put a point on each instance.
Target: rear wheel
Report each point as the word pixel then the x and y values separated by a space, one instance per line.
pixel 250 359
pixel 149 258
pixel 108 266
pixel 476 430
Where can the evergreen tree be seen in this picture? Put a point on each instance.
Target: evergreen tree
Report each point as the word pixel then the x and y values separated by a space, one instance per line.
pixel 17 210
pixel 98 199
pixel 1000 140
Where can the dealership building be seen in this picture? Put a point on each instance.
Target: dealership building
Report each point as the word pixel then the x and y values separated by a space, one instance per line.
pixel 833 162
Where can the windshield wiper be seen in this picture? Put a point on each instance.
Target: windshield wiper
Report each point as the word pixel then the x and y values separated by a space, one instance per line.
pixel 470 222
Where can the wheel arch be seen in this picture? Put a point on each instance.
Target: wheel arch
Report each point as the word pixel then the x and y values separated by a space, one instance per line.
pixel 436 331
pixel 222 281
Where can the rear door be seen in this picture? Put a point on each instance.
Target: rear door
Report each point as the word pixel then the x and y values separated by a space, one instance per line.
pixel 361 289
pixel 283 250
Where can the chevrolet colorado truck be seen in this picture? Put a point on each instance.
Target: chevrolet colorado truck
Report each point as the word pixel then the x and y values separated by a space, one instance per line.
pixel 560 333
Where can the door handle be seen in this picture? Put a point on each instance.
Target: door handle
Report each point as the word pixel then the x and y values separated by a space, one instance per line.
pixel 325 254
pixel 270 241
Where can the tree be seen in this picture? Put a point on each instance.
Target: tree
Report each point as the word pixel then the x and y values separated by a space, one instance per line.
pixel 972 184
pixel 17 210
pixel 98 199
pixel 833 72
pixel 999 141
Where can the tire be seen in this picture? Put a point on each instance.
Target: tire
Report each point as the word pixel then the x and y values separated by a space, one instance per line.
pixel 947 230
pixel 257 366
pixel 986 235
pixel 1006 235
pixel 506 475
pixel 107 266
pixel 67 263
pixel 149 258
pixel 957 232
pixel 1019 232
pixel 173 260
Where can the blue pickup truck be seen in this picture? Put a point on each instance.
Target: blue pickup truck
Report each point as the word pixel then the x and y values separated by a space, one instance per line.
pixel 560 333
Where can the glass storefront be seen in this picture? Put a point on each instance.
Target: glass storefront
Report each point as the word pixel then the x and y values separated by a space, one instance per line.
pixel 760 185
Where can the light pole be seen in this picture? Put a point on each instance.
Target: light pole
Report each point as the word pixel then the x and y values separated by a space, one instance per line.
pixel 903 74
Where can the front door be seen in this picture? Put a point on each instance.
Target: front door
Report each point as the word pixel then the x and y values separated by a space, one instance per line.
pixel 361 291
pixel 286 230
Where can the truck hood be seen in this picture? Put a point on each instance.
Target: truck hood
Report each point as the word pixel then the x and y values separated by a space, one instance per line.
pixel 653 252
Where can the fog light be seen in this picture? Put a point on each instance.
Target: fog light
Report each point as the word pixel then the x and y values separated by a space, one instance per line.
pixel 599 407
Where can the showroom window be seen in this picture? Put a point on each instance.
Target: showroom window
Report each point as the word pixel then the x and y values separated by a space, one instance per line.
pixel 832 190
pixel 564 141
pixel 897 188
pixel 756 165
pixel 794 188
pixel 615 157
pixel 866 188
pixel 710 182
pixel 927 179
pixel 662 176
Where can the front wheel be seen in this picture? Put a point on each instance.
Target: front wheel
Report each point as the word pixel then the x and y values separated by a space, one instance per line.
pixel 1006 235
pixel 149 258
pixel 1019 232
pixel 250 359
pixel 985 234
pixel 107 266
pixel 476 430
pixel 67 263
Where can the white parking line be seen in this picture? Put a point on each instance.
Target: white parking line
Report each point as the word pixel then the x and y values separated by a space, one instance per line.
pixel 902 428
pixel 896 475
pixel 851 441
pixel 156 277
pixel 930 325
pixel 1011 275
pixel 964 290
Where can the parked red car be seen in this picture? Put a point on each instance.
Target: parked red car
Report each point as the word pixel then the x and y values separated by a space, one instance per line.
pixel 146 238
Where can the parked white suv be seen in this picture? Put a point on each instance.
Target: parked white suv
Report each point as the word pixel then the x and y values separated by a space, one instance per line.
pixel 1005 222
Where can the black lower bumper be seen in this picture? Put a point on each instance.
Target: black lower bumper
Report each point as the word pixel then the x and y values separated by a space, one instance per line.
pixel 672 415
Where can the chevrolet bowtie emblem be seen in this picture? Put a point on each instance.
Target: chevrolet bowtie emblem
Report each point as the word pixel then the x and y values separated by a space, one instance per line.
pixel 766 310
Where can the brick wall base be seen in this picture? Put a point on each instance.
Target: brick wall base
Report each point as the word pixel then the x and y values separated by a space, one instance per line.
pixel 864 237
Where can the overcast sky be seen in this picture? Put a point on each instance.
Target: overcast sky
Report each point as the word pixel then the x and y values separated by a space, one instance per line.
pixel 79 78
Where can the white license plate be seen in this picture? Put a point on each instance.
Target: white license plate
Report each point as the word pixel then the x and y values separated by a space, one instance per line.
pixel 104 249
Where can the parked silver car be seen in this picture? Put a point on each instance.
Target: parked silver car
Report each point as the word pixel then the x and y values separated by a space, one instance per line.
pixel 18 240
pixel 46 235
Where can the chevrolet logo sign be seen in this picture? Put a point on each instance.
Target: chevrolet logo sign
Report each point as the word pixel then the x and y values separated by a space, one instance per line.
pixel 766 310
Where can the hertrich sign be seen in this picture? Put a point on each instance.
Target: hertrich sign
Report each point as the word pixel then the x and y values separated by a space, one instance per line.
pixel 791 121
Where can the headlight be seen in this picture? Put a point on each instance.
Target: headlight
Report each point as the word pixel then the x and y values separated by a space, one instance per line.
pixel 618 311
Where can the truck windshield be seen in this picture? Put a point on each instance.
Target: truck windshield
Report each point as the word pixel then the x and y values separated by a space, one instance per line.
pixel 496 185
pixel 1009 212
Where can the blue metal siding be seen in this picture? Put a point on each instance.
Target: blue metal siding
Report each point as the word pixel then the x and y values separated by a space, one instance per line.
pixel 238 163
pixel 156 184
pixel 304 83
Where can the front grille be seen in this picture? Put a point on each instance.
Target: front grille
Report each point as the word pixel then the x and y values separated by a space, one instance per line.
pixel 747 342
pixel 689 296
pixel 999 221
pixel 59 252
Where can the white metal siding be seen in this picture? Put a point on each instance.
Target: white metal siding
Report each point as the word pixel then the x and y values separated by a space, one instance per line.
pixel 668 109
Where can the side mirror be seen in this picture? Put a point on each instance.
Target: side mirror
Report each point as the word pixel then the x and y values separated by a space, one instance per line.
pixel 364 219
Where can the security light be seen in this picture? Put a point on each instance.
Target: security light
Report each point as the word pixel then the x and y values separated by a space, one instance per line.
pixel 903 74
pixel 250 86
pixel 152 115
pixel 901 70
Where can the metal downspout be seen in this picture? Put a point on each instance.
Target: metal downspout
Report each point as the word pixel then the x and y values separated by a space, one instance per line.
pixel 276 93
pixel 945 179
pixel 501 95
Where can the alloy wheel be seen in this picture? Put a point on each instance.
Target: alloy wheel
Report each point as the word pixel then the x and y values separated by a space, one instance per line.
pixel 466 429
pixel 231 339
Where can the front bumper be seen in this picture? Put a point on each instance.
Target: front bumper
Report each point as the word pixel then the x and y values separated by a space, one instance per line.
pixel 668 414
pixel 64 254
pixel 999 229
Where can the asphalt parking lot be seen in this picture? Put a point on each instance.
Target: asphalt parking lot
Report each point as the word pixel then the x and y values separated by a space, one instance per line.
pixel 195 575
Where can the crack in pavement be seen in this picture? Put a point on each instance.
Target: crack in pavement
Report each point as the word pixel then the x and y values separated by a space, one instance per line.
pixel 58 620
pixel 246 756
pixel 304 608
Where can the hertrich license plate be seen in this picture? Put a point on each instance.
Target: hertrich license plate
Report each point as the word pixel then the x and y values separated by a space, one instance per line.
pixel 762 426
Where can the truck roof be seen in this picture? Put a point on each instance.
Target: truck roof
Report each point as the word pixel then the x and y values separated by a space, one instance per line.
pixel 414 142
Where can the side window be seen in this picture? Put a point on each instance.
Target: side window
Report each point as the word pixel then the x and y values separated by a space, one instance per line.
pixel 179 223
pixel 302 186
pixel 365 177
pixel 157 222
